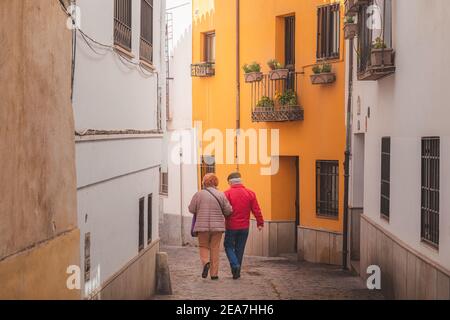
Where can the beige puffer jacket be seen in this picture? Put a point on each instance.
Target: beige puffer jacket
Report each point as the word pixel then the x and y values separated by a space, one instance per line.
pixel 209 214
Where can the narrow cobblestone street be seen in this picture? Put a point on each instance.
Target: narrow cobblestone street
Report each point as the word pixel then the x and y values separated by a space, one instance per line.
pixel 262 279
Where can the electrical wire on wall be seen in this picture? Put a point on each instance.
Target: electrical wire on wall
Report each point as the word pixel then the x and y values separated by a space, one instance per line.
pixel 91 43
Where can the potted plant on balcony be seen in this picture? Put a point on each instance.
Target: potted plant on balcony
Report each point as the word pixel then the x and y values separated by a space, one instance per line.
pixel 350 28
pixel 265 104
pixel 323 74
pixel 288 98
pixel 277 70
pixel 252 72
pixel 380 54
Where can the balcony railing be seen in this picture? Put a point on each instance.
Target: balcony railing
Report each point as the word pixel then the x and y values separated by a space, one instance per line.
pixel 276 100
pixel 203 70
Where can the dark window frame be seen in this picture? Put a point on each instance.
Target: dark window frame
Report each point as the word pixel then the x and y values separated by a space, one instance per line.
pixel 430 190
pixel 327 189
pixel 123 24
pixel 163 183
pixel 289 42
pixel 385 195
pixel 209 53
pixel 150 218
pixel 146 40
pixel 141 224
pixel 328 32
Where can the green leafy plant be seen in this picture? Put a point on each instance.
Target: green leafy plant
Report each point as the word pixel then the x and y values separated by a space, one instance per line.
pixel 326 68
pixel 265 102
pixel 317 69
pixel 349 19
pixel 274 64
pixel 254 67
pixel 288 98
pixel 379 44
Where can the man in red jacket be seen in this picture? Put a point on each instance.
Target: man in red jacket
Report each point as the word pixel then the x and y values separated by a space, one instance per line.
pixel 243 202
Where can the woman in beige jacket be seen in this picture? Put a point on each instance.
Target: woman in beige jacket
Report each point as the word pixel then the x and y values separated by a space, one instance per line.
pixel 210 207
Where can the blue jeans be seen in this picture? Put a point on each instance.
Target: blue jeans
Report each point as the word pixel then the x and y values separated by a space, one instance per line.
pixel 235 241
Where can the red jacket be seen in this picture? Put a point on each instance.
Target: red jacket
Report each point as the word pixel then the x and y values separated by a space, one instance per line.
pixel 243 202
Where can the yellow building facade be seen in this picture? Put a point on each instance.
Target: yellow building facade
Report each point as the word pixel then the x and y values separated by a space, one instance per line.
pixel 303 202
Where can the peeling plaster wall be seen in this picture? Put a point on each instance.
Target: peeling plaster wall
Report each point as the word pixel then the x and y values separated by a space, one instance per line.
pixel 37 150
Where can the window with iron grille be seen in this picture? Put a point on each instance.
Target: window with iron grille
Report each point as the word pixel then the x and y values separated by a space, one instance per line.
pixel 328 32
pixel 385 176
pixel 289 42
pixel 208 165
pixel 163 183
pixel 210 47
pixel 430 190
pixel 122 23
pixel 371 14
pixel 149 218
pixel 327 188
pixel 146 45
pixel 141 223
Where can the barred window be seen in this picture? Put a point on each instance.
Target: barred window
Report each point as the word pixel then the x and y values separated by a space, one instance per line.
pixel 210 47
pixel 385 176
pixel 327 188
pixel 328 32
pixel 430 190
pixel 163 183
pixel 122 23
pixel 141 224
pixel 146 43
pixel 149 218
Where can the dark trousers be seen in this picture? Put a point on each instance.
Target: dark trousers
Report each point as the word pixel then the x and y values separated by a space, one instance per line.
pixel 235 241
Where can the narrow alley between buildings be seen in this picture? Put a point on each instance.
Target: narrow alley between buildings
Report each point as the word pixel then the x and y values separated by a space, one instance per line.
pixel 281 278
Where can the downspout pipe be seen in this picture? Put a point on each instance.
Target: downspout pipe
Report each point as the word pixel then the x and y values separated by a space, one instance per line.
pixel 238 80
pixel 347 159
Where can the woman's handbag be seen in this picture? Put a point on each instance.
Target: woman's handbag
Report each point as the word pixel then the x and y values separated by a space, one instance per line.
pixel 194 234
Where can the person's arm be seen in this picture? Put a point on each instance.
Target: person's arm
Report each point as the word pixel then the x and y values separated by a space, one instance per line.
pixel 227 208
pixel 256 210
pixel 193 206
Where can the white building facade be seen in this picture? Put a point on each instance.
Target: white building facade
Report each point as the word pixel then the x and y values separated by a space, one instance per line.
pixel 400 173
pixel 119 93
pixel 180 170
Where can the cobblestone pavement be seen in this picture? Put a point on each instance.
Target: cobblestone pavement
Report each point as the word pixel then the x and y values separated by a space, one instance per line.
pixel 262 279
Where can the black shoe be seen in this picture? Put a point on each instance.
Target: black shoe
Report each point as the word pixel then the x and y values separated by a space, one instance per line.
pixel 236 273
pixel 206 270
pixel 214 278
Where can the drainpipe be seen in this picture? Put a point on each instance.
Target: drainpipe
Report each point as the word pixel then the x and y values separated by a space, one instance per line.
pixel 347 158
pixel 238 82
pixel 183 240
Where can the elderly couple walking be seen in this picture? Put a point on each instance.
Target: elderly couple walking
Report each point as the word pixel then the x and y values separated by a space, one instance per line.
pixel 216 212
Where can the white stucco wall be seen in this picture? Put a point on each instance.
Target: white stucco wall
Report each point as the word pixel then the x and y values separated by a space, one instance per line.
pixel 183 181
pixel 113 173
pixel 411 104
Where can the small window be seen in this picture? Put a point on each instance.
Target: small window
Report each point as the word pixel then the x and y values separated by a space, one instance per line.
pixel 289 42
pixel 327 192
pixel 430 190
pixel 163 183
pixel 141 224
pixel 149 218
pixel 208 165
pixel 210 47
pixel 385 176
pixel 87 257
pixel 328 32
pixel 146 45
pixel 122 23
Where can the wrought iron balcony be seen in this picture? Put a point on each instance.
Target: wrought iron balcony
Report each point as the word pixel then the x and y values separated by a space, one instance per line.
pixel 203 70
pixel 276 100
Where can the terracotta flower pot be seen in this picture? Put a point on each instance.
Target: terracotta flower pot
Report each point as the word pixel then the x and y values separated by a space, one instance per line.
pixel 253 77
pixel 323 78
pixel 382 57
pixel 279 74
pixel 350 30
